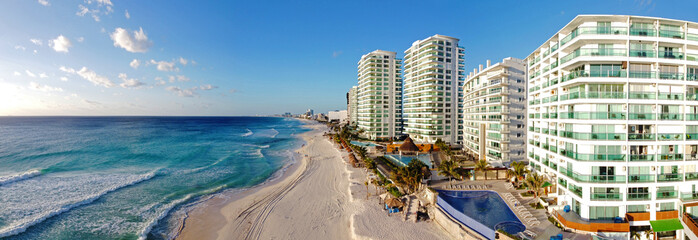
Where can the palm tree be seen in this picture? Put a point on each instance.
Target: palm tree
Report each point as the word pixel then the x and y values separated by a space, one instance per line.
pixel 446 169
pixel 366 183
pixel 482 166
pixel 635 235
pixel 535 183
pixel 649 233
pixel 375 184
pixel 518 170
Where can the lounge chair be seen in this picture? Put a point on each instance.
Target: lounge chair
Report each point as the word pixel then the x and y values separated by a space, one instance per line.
pixel 534 223
pixel 529 233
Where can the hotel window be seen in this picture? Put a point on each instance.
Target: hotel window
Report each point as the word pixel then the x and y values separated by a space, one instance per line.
pixel 605 70
pixel 603 212
pixel 637 208
pixel 668 206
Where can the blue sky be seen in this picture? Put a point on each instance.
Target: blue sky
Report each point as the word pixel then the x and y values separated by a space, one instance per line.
pixel 247 57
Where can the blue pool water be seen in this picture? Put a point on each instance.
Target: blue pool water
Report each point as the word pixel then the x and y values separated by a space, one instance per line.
pixel 364 144
pixel 404 160
pixel 128 177
pixel 485 207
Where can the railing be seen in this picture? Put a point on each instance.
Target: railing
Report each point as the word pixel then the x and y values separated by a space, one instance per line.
pixel 667 194
pixel 606 197
pixel 649 32
pixel 691 223
pixel 464 219
pixel 641 178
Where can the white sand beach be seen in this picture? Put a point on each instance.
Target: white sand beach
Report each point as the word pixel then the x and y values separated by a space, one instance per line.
pixel 320 197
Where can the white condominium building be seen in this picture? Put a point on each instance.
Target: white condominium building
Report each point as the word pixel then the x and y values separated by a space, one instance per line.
pixel 380 95
pixel 353 105
pixel 494 112
pixel 613 121
pixel 433 90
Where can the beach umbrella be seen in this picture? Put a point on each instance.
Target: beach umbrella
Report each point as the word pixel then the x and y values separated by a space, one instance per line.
pixel 394 203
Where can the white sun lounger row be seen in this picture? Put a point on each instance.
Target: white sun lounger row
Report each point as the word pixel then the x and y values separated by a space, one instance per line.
pixel 470 187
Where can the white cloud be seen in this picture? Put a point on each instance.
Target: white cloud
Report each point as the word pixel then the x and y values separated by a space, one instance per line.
pixel 159 81
pixel 90 75
pixel 208 87
pixel 135 63
pixel 37 42
pixel 44 2
pixel 182 92
pixel 35 52
pixel 336 54
pixel 165 66
pixel 138 42
pixel 81 39
pixel 103 7
pixel 17 73
pixel 31 74
pixel 128 16
pixel 60 44
pixel 43 75
pixel 183 78
pixel 20 47
pixel 43 88
pixel 82 10
pixel 171 78
pixel 183 61
pixel 65 79
pixel 129 82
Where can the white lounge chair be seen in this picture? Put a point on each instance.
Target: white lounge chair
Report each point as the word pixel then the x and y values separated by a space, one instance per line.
pixel 534 223
pixel 531 234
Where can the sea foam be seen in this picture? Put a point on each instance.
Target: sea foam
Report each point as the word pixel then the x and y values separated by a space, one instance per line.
pixel 19 177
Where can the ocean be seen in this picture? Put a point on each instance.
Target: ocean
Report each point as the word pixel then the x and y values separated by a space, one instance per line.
pixel 129 177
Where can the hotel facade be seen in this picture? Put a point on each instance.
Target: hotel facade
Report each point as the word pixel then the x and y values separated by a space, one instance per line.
pixel 613 121
pixel 433 94
pixel 494 112
pixel 353 106
pixel 379 95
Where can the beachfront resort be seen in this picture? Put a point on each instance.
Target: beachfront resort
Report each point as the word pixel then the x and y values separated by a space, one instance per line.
pixel 590 136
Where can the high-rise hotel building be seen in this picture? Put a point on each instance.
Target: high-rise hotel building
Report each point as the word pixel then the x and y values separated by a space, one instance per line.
pixel 613 121
pixel 433 92
pixel 353 105
pixel 379 95
pixel 494 112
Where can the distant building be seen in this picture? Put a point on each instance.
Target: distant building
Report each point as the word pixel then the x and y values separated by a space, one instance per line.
pixel 353 105
pixel 339 116
pixel 433 90
pixel 309 113
pixel 379 96
pixel 494 112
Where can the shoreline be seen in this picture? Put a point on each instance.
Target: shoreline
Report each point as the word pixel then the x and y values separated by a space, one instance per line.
pixel 208 206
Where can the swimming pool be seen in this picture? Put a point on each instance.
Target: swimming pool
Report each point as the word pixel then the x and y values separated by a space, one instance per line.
pixel 484 207
pixel 364 144
pixel 404 160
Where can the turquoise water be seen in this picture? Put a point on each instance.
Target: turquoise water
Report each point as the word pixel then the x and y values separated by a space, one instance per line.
pixel 128 177
pixel 404 160
pixel 485 207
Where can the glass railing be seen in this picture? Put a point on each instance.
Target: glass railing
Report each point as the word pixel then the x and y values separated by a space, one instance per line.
pixel 592 95
pixel 689 195
pixel 642 116
pixel 670 136
pixel 667 194
pixel 642 158
pixel 691 57
pixel 638 196
pixel 671 116
pixel 642 53
pixel 594 52
pixel 669 177
pixel 671 34
pixel 606 197
pixel 641 136
pixel 593 136
pixel 670 157
pixel 639 178
pixel 642 74
pixel 573 75
pixel 691 175
pixel 671 76
pixel 593 115
pixel 650 32
pixel 670 55
pixel 593 30
pixel 692 117
pixel 642 95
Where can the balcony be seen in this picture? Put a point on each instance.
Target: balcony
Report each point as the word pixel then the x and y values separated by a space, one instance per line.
pixel 641 178
pixel 641 136
pixel 671 34
pixel 642 158
pixel 638 196
pixel 642 116
pixel 671 55
pixel 594 52
pixel 667 194
pixel 574 221
pixel 669 177
pixel 645 32
pixel 642 53
pixel 606 197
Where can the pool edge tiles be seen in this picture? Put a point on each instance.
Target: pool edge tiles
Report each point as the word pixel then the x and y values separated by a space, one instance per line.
pixel 393 158
pixel 480 226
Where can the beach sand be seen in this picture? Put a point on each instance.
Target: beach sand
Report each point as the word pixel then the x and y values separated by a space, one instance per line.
pixel 319 197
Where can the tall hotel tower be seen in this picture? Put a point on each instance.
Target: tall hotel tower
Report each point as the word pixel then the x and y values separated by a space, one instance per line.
pixel 353 105
pixel 494 112
pixel 433 90
pixel 613 121
pixel 380 95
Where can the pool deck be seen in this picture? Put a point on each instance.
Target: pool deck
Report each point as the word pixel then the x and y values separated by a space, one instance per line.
pixel 500 188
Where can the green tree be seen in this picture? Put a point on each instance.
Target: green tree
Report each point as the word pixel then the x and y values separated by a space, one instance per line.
pixel 535 182
pixel 447 169
pixel 366 183
pixel 482 166
pixel 517 170
pixel 635 235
